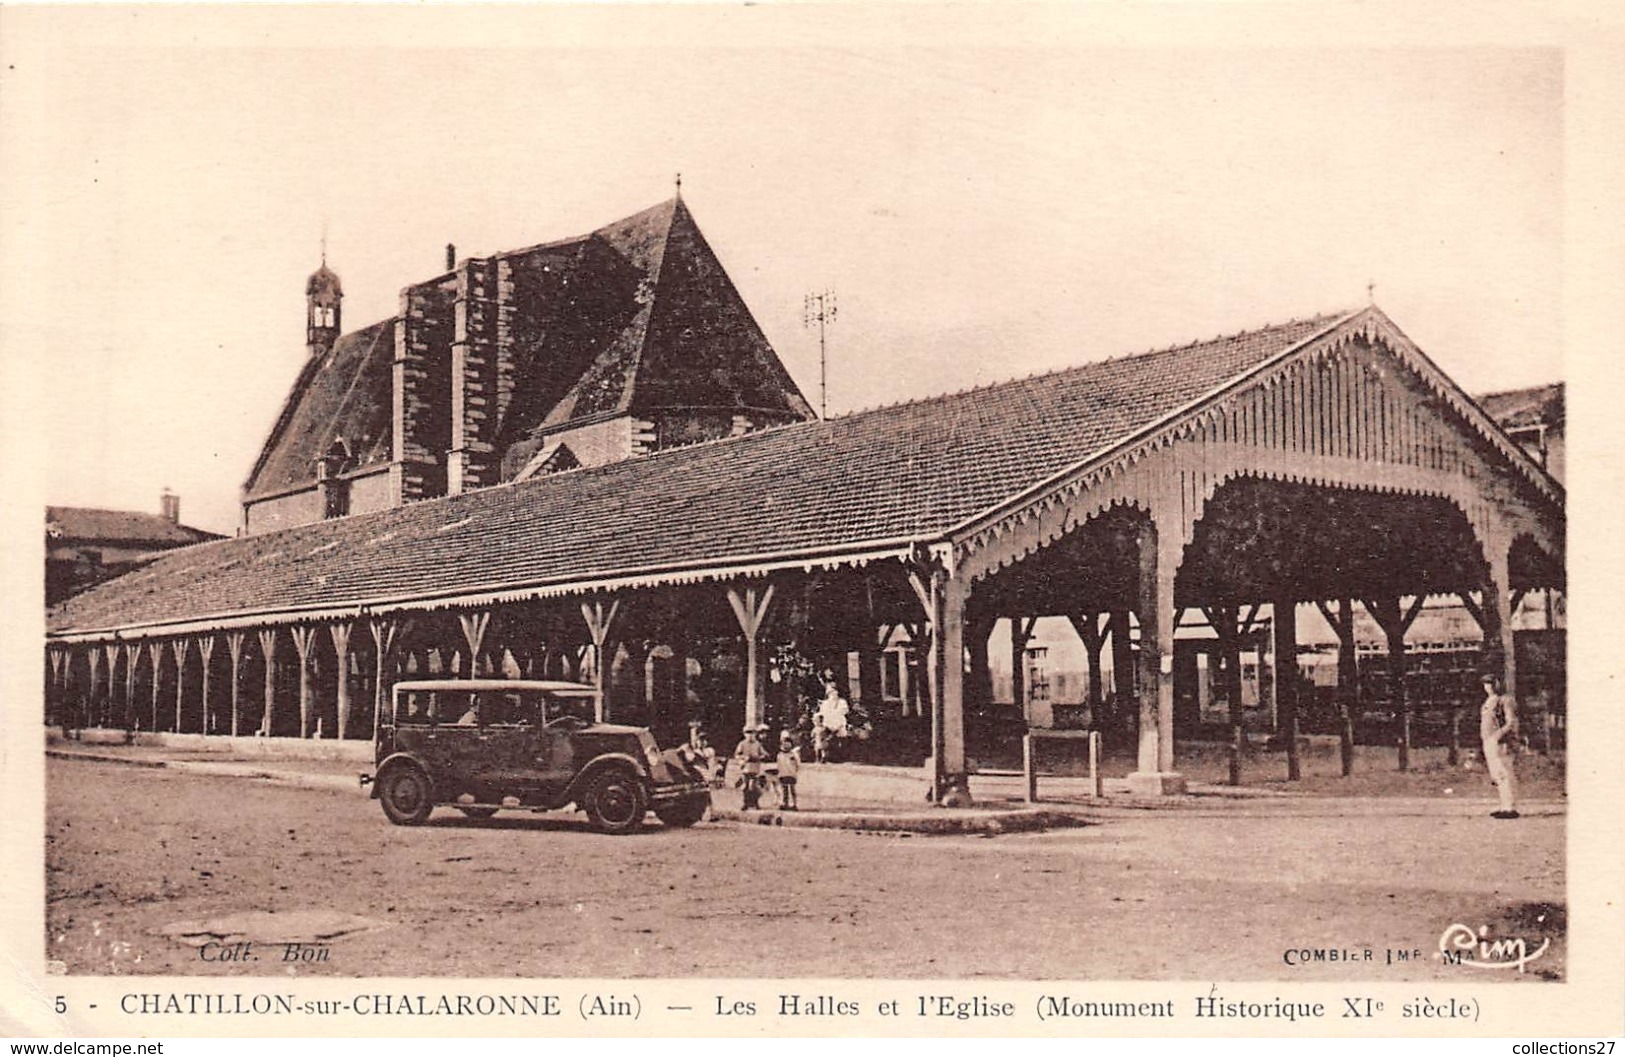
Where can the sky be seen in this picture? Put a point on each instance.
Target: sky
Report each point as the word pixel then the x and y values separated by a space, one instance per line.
pixel 984 204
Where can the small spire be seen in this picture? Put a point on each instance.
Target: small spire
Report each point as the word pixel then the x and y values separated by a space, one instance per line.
pixel 1371 292
pixel 324 242
pixel 679 187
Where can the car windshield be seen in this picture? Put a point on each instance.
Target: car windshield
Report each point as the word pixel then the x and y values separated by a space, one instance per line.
pixel 577 706
pixel 486 708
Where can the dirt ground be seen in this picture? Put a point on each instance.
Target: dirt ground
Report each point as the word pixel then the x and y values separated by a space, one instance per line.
pixel 1196 893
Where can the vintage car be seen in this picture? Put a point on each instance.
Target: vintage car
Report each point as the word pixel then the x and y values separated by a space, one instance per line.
pixel 482 745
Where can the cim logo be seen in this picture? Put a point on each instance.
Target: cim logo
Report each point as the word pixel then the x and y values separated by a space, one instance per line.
pixel 1461 945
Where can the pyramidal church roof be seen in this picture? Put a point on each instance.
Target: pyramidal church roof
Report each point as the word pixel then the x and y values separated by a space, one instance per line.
pixel 636 316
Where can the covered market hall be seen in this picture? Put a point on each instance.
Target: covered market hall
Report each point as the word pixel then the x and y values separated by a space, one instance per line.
pixel 1324 460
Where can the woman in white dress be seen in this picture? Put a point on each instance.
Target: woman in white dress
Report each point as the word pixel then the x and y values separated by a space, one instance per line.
pixel 832 714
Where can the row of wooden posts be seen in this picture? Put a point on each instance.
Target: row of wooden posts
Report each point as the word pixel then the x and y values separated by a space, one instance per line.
pixel 1234 625
pixel 750 604
pixel 86 672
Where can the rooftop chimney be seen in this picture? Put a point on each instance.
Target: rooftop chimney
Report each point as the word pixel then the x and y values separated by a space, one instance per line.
pixel 451 257
pixel 169 505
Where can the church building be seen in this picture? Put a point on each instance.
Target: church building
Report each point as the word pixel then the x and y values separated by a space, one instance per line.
pixel 578 352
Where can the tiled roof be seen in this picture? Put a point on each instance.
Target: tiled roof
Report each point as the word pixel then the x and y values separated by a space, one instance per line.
pixel 118 526
pixel 694 344
pixel 907 472
pixel 1538 405
pixel 342 394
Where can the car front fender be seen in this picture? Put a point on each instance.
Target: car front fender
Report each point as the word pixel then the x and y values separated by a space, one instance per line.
pixel 597 764
pixel 389 763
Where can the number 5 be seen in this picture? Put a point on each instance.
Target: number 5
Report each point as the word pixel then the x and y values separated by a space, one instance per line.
pixel 61 1003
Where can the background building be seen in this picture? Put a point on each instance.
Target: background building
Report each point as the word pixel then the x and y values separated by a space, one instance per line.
pixel 84 546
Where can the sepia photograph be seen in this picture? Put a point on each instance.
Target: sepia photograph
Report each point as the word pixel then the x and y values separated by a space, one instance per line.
pixel 672 494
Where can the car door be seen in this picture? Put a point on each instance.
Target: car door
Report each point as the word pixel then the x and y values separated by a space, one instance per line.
pixel 556 745
pixel 419 731
pixel 459 742
pixel 510 733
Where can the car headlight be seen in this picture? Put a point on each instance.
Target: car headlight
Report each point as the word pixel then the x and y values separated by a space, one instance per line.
pixel 652 754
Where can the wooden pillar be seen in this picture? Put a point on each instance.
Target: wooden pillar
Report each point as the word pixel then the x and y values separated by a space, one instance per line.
pixel 1232 627
pixel 1348 677
pixel 1486 625
pixel 953 788
pixel 87 707
pixel 65 680
pixel 1021 633
pixel 73 690
pixel 920 687
pixel 386 634
pixel 132 657
pixel 70 688
pixel 181 648
pixel 303 638
pixel 1222 618
pixel 474 626
pixel 1284 623
pixel 64 677
pixel 869 690
pixel 234 646
pixel 1122 666
pixel 1097 685
pixel 1150 649
pixel 111 652
pixel 267 640
pixel 92 697
pixel 340 634
pixel 927 586
pixel 600 621
pixel 53 680
pixel 1395 620
pixel 1157 547
pixel 979 690
pixel 53 671
pixel 870 694
pixel 1092 633
pixel 942 600
pixel 155 654
pixel 1401 700
pixel 750 607
pixel 205 652
pixel 1498 611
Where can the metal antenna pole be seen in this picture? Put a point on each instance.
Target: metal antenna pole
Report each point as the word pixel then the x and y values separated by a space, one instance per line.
pixel 819 309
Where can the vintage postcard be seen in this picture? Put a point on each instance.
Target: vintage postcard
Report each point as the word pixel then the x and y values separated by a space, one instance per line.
pixel 810 520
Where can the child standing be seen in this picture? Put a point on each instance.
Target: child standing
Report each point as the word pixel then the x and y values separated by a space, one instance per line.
pixel 750 755
pixel 789 764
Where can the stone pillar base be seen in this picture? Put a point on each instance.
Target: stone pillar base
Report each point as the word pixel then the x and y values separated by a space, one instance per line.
pixel 955 791
pixel 1156 783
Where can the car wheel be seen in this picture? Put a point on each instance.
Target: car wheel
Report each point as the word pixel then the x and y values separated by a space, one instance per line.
pixel 614 801
pixel 478 812
pixel 683 813
pixel 405 796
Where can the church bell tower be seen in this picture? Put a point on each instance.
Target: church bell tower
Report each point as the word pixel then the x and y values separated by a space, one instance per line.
pixel 323 295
